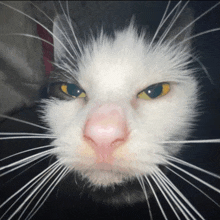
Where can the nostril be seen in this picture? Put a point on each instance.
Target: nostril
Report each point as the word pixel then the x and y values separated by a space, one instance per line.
pixel 104 136
pixel 106 129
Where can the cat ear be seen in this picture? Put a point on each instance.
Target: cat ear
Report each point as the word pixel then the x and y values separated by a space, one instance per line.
pixel 63 38
pixel 179 31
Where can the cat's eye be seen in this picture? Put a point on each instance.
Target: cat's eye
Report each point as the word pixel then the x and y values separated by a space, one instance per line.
pixel 73 90
pixel 154 91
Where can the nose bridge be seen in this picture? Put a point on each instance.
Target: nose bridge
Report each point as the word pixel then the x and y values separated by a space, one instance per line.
pixel 111 83
pixel 106 129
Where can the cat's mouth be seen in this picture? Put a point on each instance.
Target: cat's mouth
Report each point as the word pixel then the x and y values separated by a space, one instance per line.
pixel 105 177
pixel 120 154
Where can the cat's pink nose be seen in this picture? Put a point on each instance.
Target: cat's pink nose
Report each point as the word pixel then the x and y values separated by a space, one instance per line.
pixel 106 130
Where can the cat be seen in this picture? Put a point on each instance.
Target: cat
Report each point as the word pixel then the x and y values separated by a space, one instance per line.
pixel 124 106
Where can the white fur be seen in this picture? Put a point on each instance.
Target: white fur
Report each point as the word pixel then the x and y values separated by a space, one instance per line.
pixel 115 71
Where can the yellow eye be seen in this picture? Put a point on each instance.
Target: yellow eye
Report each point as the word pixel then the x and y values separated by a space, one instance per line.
pixel 154 91
pixel 73 90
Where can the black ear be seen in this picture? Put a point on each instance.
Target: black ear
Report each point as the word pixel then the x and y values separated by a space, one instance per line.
pixel 179 31
pixel 64 39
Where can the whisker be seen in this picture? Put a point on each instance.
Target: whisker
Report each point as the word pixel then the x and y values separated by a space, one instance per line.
pixel 23 171
pixel 190 141
pixel 141 181
pixel 69 42
pixel 28 35
pixel 39 188
pixel 171 25
pixel 67 70
pixel 204 69
pixel 63 173
pixel 27 137
pixel 26 185
pixel 199 34
pixel 25 151
pixel 42 180
pixel 71 27
pixel 68 73
pixel 193 186
pixel 65 65
pixel 195 177
pixel 191 23
pixel 23 133
pixel 67 38
pixel 170 194
pixel 170 185
pixel 25 122
pixel 41 25
pixel 192 166
pixel 24 161
pixel 155 195
pixel 162 22
pixel 67 9
pixel 73 32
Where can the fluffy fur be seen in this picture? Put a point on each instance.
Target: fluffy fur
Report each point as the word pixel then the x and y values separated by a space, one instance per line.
pixel 115 71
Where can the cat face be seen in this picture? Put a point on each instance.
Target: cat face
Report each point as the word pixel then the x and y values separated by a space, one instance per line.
pixel 113 133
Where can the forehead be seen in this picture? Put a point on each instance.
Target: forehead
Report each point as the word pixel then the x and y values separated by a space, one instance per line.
pixel 124 64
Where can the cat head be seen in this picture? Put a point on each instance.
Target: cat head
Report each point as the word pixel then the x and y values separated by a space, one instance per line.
pixel 118 98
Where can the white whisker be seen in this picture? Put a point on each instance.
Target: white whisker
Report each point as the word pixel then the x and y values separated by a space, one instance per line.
pixel 24 133
pixel 155 195
pixel 67 9
pixel 63 173
pixel 25 161
pixel 163 20
pixel 28 35
pixel 195 177
pixel 171 25
pixel 66 69
pixel 71 27
pixel 191 23
pixel 170 185
pixel 30 166
pixel 190 141
pixel 199 34
pixel 166 189
pixel 40 25
pixel 69 23
pixel 141 181
pixel 25 151
pixel 27 137
pixel 65 36
pixel 55 164
pixel 193 186
pixel 39 188
pixel 44 178
pixel 204 68
pixel 192 166
pixel 22 121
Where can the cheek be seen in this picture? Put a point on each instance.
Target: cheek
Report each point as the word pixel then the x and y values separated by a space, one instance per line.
pixel 168 115
pixel 62 115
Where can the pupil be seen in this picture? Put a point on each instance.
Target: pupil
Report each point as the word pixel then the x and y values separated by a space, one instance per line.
pixel 73 90
pixel 154 91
